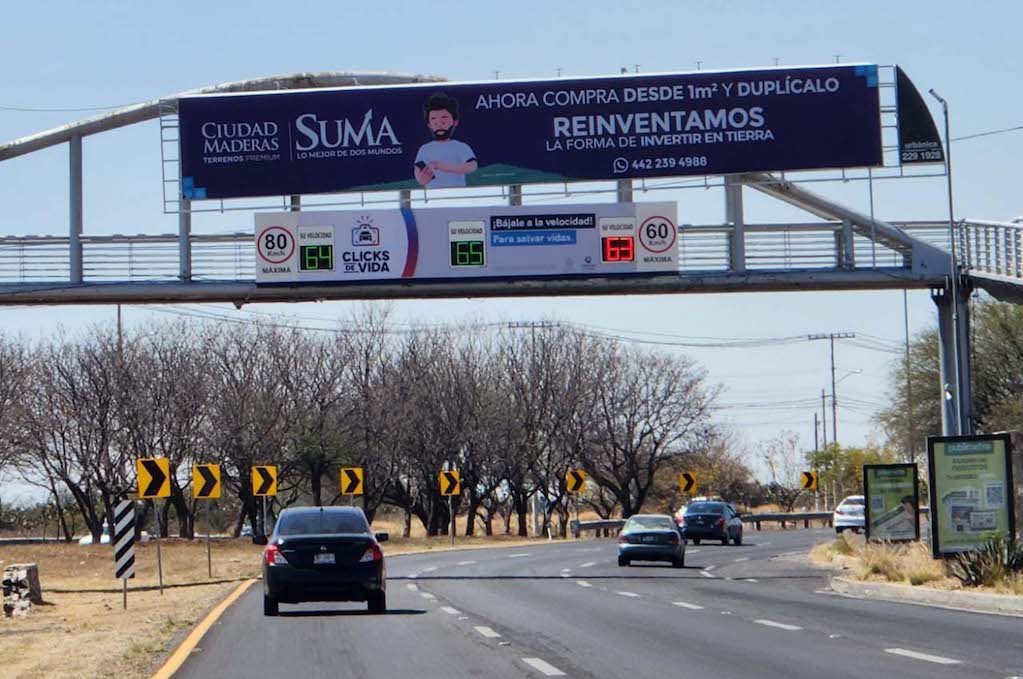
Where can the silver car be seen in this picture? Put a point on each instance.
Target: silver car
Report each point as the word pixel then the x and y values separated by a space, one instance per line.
pixel 651 537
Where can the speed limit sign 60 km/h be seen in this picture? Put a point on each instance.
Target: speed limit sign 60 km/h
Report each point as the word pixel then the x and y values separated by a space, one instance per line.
pixel 657 234
pixel 275 244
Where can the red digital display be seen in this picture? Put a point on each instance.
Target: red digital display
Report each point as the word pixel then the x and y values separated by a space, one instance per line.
pixel 618 249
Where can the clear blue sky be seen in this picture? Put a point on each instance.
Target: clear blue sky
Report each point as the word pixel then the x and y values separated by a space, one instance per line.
pixel 75 55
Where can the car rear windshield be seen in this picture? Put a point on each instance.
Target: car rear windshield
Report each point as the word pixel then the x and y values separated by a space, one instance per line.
pixel 853 501
pixel 650 522
pixel 706 508
pixel 320 523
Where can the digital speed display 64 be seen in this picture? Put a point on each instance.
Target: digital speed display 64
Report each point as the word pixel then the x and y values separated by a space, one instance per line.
pixel 466 243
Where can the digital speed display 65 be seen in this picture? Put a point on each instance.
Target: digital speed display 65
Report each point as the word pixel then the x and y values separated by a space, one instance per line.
pixel 473 242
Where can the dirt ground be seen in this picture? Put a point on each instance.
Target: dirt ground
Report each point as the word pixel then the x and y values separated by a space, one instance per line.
pixel 83 631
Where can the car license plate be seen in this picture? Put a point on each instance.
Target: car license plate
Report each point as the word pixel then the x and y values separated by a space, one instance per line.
pixel 649 538
pixel 323 559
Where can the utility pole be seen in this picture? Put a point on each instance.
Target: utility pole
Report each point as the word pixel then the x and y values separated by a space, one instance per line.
pixel 824 417
pixel 816 446
pixel 831 337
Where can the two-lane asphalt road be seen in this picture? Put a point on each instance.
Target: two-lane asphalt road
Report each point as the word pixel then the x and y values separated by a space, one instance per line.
pixel 567 609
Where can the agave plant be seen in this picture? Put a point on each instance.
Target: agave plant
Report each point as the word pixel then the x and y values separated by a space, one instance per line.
pixel 991 562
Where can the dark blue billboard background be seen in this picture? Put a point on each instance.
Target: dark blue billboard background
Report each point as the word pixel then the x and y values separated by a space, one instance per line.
pixel 450 135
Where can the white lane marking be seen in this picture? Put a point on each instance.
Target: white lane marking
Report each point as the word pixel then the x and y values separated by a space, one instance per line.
pixel 706 574
pixel 632 594
pixel 588 564
pixel 412 588
pixel 450 611
pixel 778 625
pixel 413 576
pixel 921 656
pixel 762 544
pixel 566 570
pixel 683 604
pixel 487 632
pixel 545 667
pixel 427 595
pixel 709 568
pixel 430 570
pixel 693 551
pixel 745 558
pixel 583 583
pixel 517 556
pixel 466 563
pixel 589 549
pixel 752 580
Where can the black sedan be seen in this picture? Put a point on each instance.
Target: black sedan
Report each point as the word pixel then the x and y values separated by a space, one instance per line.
pixel 712 521
pixel 323 554
pixel 651 537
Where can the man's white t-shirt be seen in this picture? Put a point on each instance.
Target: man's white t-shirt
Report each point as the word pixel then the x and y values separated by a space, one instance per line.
pixel 452 152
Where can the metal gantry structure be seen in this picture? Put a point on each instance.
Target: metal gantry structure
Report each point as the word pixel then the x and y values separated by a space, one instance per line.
pixel 839 248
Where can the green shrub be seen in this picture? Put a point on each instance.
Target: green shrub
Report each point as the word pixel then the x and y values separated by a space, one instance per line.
pixel 992 563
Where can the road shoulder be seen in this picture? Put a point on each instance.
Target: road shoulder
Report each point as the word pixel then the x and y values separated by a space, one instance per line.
pixel 977 602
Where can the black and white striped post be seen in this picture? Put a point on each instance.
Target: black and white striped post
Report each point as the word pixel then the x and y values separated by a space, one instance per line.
pixel 124 544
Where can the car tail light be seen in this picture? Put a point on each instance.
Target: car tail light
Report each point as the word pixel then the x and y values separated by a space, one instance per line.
pixel 839 510
pixel 372 554
pixel 720 521
pixel 623 540
pixel 274 556
pixel 673 538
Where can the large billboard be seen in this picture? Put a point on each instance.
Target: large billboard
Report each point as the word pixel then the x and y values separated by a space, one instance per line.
pixel 892 502
pixel 446 135
pixel 971 491
pixel 549 241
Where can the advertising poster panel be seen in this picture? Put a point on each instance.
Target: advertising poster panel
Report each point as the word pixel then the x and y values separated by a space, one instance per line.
pixel 892 502
pixel 436 244
pixel 971 491
pixel 449 135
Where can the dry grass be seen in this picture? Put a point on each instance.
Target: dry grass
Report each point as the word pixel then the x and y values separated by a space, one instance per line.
pixel 899 563
pixel 82 630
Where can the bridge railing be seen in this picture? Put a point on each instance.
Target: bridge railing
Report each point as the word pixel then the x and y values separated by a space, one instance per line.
pixel 231 256
pixel 992 247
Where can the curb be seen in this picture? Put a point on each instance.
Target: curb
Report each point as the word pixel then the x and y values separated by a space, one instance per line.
pixel 975 602
pixel 179 655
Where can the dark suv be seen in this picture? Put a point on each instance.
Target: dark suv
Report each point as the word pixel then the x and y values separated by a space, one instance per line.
pixel 323 554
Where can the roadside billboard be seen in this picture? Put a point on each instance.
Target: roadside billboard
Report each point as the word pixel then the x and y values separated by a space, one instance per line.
pixel 891 502
pixel 431 244
pixel 971 491
pixel 441 135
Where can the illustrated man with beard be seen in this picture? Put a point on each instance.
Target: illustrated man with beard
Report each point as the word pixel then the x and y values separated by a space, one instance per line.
pixel 443 162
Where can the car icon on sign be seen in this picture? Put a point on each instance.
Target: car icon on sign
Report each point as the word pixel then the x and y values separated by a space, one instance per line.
pixel 365 235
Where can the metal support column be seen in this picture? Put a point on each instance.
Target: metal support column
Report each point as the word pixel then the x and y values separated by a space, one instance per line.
pixel 734 217
pixel 624 190
pixel 185 240
pixel 515 194
pixel 848 259
pixel 296 204
pixel 75 202
pixel 956 379
pixel 405 198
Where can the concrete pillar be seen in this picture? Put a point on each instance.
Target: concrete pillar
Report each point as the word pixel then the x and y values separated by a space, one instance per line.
pixel 956 379
pixel 296 204
pixel 515 194
pixel 405 198
pixel 75 201
pixel 624 190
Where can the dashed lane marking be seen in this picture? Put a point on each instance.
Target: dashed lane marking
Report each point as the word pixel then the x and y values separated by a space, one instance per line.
pixel 752 580
pixel 693 551
pixel 517 556
pixel 466 563
pixel 778 625
pixel 706 574
pixel 487 632
pixel 937 659
pixel 629 594
pixel 412 588
pixel 583 583
pixel 588 564
pixel 741 559
pixel 709 568
pixel 545 667
pixel 450 611
pixel 427 595
pixel 683 604
pixel 430 569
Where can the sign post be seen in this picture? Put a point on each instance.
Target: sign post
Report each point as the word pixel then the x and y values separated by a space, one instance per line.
pixel 891 502
pixel 351 480
pixel 575 483
pixel 971 491
pixel 264 485
pixel 153 475
pixel 208 489
pixel 450 486
pixel 124 545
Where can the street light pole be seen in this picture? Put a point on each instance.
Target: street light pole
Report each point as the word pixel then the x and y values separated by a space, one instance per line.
pixel 953 269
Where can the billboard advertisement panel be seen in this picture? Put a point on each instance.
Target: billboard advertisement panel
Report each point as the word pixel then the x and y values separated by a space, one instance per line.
pixel 548 241
pixel 525 132
pixel 971 491
pixel 891 502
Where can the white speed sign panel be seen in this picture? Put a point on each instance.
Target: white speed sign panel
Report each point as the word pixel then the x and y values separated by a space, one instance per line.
pixel 465 243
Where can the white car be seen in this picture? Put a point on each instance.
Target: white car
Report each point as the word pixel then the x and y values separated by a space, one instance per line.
pixel 104 538
pixel 849 515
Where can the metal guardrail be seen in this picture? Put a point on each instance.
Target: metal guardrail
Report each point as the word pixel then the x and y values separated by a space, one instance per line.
pixel 578 527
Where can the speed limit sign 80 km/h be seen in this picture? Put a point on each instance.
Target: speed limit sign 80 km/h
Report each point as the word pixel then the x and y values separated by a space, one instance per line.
pixel 275 244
